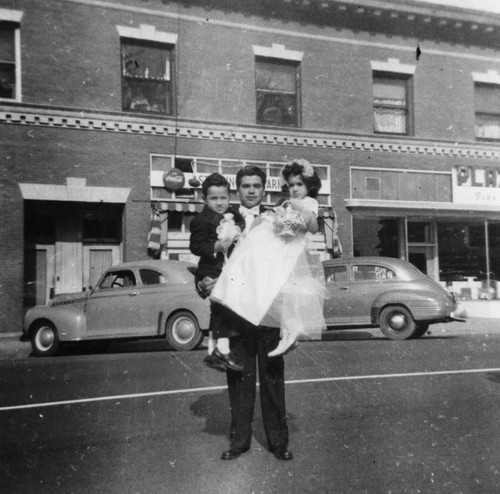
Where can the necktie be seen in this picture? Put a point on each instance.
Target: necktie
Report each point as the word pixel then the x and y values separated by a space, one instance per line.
pixel 249 214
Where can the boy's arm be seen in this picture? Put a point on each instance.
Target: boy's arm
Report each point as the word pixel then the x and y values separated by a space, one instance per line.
pixel 205 286
pixel 200 243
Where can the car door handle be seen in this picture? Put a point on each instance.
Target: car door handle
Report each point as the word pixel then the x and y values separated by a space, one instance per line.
pixel 133 294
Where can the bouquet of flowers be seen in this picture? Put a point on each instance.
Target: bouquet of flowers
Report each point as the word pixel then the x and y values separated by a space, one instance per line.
pixel 288 222
pixel 228 231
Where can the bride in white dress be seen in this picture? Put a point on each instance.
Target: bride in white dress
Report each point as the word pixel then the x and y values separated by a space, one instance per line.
pixel 268 280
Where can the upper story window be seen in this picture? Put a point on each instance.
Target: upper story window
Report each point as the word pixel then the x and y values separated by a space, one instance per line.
pixel 391 111
pixel 392 96
pixel 146 77
pixel 277 83
pixel 10 59
pixel 277 93
pixel 147 61
pixel 487 110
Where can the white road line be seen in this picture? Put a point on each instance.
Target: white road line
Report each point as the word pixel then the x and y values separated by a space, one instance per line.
pixel 218 388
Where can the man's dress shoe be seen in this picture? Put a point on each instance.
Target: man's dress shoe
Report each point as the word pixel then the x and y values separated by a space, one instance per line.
pixel 228 360
pixel 232 454
pixel 283 455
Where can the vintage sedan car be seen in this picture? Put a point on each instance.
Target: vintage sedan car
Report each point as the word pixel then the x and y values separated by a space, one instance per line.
pixel 385 292
pixel 145 299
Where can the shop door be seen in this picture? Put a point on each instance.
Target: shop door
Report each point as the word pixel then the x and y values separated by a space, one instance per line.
pixel 96 260
pixel 68 246
pixel 422 247
pixel 69 254
pixel 423 259
pixel 38 274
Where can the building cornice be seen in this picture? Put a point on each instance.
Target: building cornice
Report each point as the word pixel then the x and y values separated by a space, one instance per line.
pixel 447 22
pixel 127 124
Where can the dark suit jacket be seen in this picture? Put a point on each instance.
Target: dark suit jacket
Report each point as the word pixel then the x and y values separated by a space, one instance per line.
pixel 203 230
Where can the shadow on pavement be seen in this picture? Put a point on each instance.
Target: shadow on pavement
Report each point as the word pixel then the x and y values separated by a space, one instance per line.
pixel 349 334
pixel 214 409
pixel 113 346
pixel 493 377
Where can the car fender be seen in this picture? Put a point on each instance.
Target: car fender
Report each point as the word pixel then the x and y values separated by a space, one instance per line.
pixel 423 305
pixel 69 320
pixel 199 307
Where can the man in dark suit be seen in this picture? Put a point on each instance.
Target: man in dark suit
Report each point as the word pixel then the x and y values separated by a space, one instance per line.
pixel 251 346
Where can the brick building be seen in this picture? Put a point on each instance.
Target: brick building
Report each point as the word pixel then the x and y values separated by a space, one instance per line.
pixel 397 104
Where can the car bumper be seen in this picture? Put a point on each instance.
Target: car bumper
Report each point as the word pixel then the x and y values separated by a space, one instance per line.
pixel 459 314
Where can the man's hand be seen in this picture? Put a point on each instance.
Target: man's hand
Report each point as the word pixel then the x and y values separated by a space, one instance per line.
pixel 206 285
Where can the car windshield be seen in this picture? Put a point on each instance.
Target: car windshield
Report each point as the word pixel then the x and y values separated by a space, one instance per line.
pixel 118 279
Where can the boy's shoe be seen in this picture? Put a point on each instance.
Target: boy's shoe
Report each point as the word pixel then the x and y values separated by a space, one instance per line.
pixel 227 359
pixel 214 363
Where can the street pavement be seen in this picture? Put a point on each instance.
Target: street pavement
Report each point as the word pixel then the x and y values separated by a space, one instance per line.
pixel 366 415
pixel 11 345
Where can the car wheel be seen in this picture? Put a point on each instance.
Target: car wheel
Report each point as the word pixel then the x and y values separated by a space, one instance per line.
pixel 44 339
pixel 183 331
pixel 396 322
pixel 421 330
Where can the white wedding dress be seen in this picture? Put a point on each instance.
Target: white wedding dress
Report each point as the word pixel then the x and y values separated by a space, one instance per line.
pixel 269 281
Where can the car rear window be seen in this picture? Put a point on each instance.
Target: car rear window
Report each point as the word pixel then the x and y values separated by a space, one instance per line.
pixel 152 277
pixel 368 272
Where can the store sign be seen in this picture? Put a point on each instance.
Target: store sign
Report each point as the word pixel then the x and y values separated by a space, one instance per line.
pixel 173 179
pixel 476 185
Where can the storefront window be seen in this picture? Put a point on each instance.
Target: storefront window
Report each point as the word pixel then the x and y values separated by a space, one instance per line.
pixel 461 251
pixel 494 249
pixel 469 259
pixel 375 237
pixel 419 232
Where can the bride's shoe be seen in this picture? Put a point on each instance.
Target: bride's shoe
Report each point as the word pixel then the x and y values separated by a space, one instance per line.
pixel 285 345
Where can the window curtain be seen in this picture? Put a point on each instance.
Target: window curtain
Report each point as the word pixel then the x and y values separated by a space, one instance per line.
pixel 390 120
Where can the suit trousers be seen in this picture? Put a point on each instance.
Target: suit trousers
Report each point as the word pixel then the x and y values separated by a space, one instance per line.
pixel 221 321
pixel 251 346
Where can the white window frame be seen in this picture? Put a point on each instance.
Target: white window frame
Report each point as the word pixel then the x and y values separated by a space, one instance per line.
pixel 490 78
pixel 15 16
pixel 279 53
pixel 393 65
pixel 148 33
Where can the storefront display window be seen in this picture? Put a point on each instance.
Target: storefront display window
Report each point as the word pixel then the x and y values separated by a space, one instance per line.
pixel 462 252
pixel 468 254
pixel 470 259
pixel 375 237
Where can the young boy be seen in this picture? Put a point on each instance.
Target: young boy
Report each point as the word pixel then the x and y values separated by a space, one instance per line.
pixel 211 249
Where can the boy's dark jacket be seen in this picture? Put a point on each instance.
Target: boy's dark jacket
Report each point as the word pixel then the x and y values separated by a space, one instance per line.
pixel 203 230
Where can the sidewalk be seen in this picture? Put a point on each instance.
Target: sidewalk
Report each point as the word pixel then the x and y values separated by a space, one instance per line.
pixel 11 345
